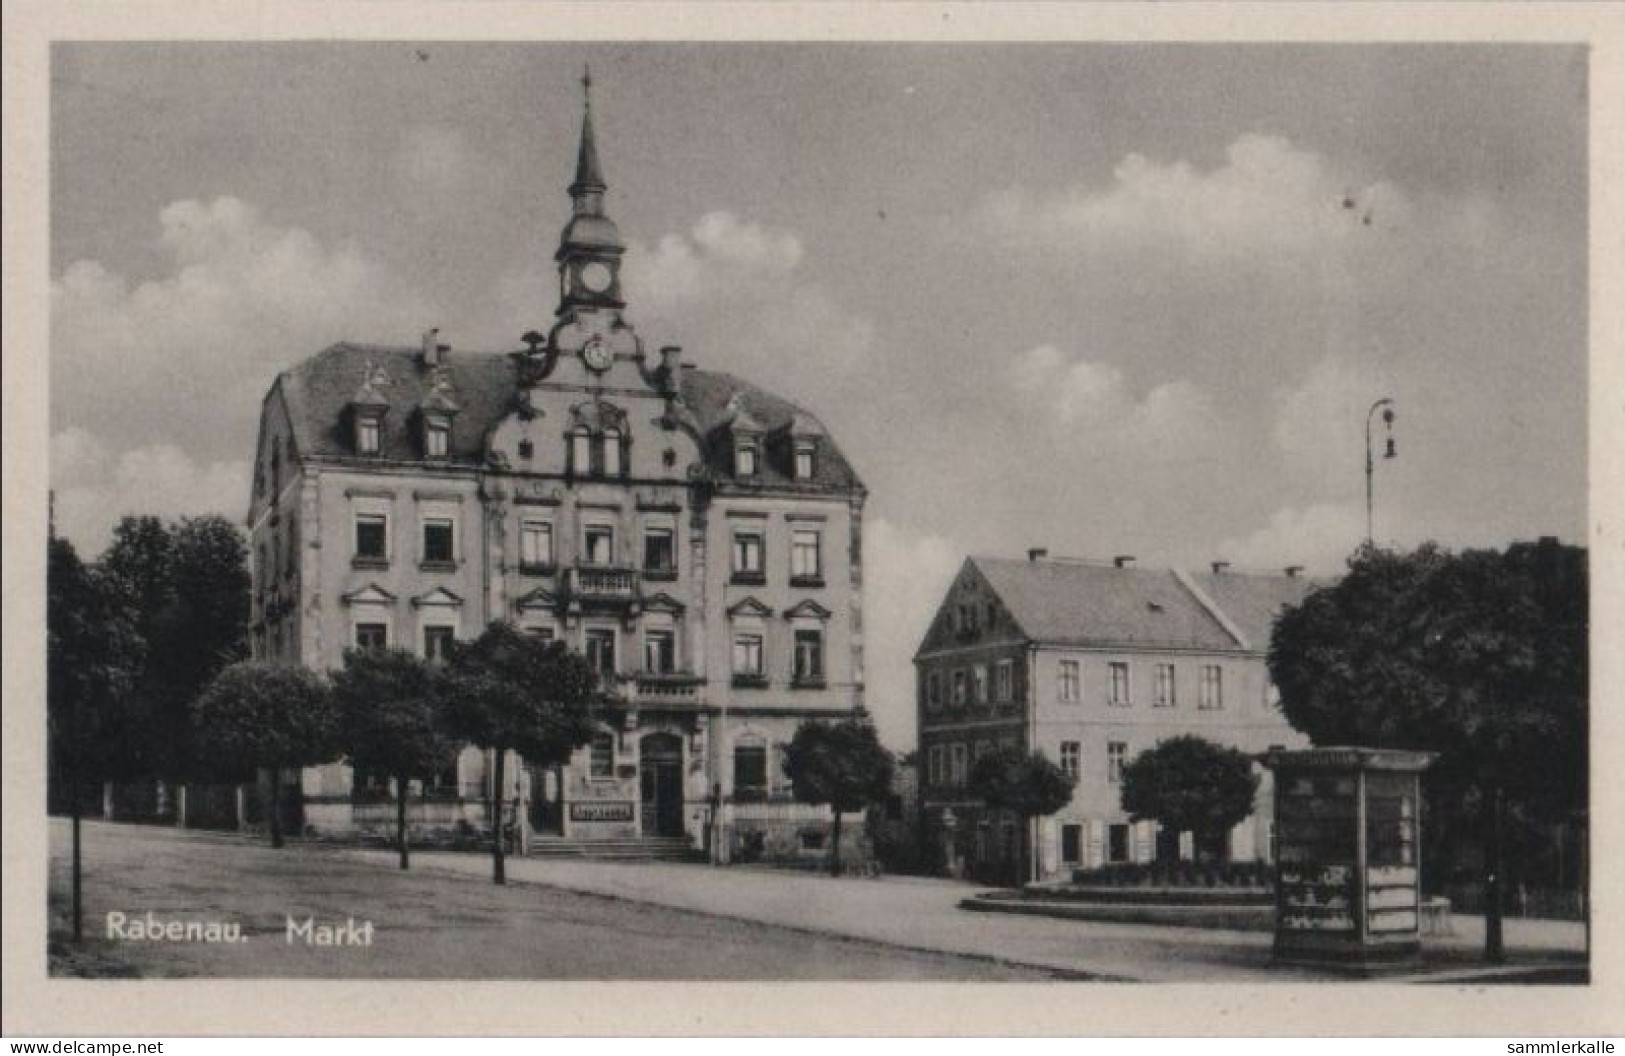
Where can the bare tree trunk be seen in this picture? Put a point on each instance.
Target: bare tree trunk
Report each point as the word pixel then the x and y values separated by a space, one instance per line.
pixel 835 842
pixel 1494 945
pixel 276 806
pixel 75 792
pixel 499 865
pixel 400 819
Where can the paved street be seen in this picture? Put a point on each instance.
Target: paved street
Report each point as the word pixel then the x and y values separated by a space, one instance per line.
pixel 923 913
pixel 616 920
pixel 426 925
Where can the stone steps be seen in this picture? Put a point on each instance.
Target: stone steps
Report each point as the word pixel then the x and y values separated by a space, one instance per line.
pixel 647 848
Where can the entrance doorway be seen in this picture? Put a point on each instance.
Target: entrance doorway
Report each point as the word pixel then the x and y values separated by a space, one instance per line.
pixel 660 769
pixel 1117 843
pixel 546 800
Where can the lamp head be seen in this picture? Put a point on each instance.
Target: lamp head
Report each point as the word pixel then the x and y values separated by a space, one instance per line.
pixel 1390 452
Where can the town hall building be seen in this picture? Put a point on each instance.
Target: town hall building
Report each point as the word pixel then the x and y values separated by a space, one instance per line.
pixel 696 537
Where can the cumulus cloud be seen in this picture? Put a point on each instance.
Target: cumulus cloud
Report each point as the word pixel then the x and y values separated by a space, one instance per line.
pixel 735 293
pixel 906 574
pixel 1319 536
pixel 1092 403
pixel 184 358
pixel 94 485
pixel 1270 204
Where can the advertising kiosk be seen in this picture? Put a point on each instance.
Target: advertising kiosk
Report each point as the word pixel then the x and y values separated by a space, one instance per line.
pixel 1348 880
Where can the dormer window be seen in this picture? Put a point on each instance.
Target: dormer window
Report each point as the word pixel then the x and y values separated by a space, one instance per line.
pixel 804 463
pixel 367 430
pixel 745 457
pixel 436 438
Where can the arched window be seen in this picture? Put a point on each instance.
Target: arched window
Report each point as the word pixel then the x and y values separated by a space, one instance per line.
pixel 612 452
pixel 581 453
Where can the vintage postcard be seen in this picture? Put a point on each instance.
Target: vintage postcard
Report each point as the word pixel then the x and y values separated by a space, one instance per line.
pixel 975 514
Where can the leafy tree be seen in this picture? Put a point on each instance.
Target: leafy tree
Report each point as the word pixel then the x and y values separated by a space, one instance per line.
pixel 257 715
pixel 841 764
pixel 390 722
pixel 93 655
pixel 1480 657
pixel 511 691
pixel 1189 784
pixel 187 585
pixel 1028 785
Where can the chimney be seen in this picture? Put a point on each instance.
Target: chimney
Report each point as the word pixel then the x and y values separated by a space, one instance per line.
pixel 1294 571
pixel 1037 553
pixel 1220 567
pixel 1123 560
pixel 671 360
pixel 431 347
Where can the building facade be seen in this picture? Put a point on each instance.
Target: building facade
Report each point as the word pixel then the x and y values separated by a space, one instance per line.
pixel 1091 663
pixel 698 538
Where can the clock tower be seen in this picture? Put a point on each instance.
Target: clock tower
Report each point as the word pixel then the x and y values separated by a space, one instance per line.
pixel 589 254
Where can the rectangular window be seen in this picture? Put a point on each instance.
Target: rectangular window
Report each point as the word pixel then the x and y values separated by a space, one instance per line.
pixel 747 554
pixel 372 537
pixel 809 668
pixel 366 436
pixel 600 545
pixel 745 460
pixel 961 771
pixel 1004 681
pixel 542 633
pixel 372 636
pixel 979 684
pixel 748 655
pixel 933 689
pixel 804 562
pixel 436 440
pixel 959 687
pixel 1116 758
pixel 438 536
pixel 1117 689
pixel 602 759
pixel 601 651
pixel 659 550
pixel 437 643
pixel 1071 757
pixel 659 652
pixel 804 463
pixel 1069 682
pixel 936 775
pixel 1212 690
pixel 750 773
pixel 535 545
pixel 1165 694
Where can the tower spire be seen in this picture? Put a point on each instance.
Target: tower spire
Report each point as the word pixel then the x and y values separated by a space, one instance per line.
pixel 589 174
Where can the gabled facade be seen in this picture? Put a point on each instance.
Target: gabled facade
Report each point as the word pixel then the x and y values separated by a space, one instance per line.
pixel 1091 663
pixel 698 538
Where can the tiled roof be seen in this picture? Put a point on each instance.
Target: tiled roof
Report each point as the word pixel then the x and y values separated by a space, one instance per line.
pixel 1079 603
pixel 318 392
pixel 1251 600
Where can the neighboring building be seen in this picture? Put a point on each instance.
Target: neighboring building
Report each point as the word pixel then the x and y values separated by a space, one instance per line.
pixel 699 539
pixel 1092 663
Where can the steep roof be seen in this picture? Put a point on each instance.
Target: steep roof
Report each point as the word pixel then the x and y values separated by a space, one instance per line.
pixel 1078 603
pixel 318 392
pixel 1252 600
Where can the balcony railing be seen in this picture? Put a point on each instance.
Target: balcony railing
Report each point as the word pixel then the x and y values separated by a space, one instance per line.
pixel 602 584
pixel 662 687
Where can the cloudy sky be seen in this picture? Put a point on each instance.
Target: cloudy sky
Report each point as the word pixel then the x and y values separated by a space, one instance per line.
pixel 1104 299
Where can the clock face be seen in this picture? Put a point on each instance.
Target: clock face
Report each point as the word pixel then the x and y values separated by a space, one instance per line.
pixel 596 276
pixel 596 355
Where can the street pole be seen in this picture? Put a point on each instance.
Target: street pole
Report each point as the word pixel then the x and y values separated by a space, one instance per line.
pixel 1370 463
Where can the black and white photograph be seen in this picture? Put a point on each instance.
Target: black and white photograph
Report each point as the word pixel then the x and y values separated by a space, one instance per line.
pixel 1044 511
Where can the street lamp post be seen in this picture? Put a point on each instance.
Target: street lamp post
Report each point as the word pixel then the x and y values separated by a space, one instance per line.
pixel 1387 405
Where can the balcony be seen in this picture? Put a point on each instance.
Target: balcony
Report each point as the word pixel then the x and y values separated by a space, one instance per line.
pixel 598 583
pixel 663 687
